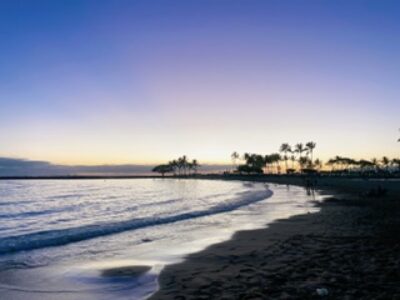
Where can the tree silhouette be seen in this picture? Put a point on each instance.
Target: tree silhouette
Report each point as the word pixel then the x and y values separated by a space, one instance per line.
pixel 254 164
pixel 299 148
pixel 285 148
pixel 310 146
pixel 293 159
pixel 303 161
pixel 163 169
pixel 174 165
pixel 375 163
pixel 318 164
pixel 194 165
pixel 385 162
pixel 234 156
pixel 182 164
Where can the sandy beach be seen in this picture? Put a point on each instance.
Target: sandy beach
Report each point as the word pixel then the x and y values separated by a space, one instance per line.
pixel 349 250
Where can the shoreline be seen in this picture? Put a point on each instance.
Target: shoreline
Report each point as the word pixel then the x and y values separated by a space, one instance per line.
pixel 278 178
pixel 350 249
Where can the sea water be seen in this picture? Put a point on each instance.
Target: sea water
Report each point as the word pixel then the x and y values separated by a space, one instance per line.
pixel 58 236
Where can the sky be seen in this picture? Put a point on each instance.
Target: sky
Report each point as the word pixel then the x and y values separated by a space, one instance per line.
pixel 142 82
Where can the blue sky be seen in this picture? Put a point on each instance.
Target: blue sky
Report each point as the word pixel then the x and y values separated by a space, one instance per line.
pixel 93 82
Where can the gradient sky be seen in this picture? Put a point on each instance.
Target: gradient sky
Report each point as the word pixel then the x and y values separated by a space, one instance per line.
pixel 93 82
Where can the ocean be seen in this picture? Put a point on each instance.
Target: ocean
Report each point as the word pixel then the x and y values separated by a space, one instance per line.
pixel 57 237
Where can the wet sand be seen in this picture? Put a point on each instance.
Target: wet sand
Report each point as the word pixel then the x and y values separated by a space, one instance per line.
pixel 349 250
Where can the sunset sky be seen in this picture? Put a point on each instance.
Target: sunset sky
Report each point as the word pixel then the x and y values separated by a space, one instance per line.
pixel 110 82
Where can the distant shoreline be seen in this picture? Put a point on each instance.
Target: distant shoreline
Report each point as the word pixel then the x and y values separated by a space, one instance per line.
pixel 276 178
pixel 74 177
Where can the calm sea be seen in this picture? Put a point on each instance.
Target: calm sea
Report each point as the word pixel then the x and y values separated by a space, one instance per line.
pixel 57 236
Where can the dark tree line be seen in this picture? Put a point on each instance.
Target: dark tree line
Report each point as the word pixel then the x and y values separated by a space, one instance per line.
pixel 181 167
pixel 300 158
pixel 258 164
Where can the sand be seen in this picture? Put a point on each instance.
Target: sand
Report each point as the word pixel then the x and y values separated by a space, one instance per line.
pixel 349 250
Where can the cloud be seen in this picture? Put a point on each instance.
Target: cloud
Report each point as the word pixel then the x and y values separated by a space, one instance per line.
pixel 23 167
pixel 6 162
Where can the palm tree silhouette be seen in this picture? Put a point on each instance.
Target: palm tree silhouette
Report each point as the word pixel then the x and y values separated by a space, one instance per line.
pixel 318 164
pixel 375 163
pixel 174 165
pixel 182 164
pixel 276 158
pixel 303 161
pixel 234 156
pixel 194 165
pixel 310 146
pixel 299 148
pixel 385 162
pixel 285 148
pixel 267 162
pixel 293 159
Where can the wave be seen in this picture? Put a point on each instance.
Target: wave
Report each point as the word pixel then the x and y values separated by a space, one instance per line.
pixel 60 237
pixel 28 214
pixel 4 203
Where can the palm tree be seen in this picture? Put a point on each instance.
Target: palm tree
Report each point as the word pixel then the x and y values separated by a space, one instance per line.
pixel 286 158
pixel 189 167
pixel 174 165
pixel 375 163
pixel 299 148
pixel 182 164
pixel 285 148
pixel 254 163
pixel 310 146
pixel 267 162
pixel 234 156
pixel 194 164
pixel 179 165
pixel 385 161
pixel 303 161
pixel 276 159
pixel 293 159
pixel 318 164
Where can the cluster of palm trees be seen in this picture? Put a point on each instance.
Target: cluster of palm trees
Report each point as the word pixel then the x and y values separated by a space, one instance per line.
pixel 339 163
pixel 181 167
pixel 304 161
pixel 256 163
